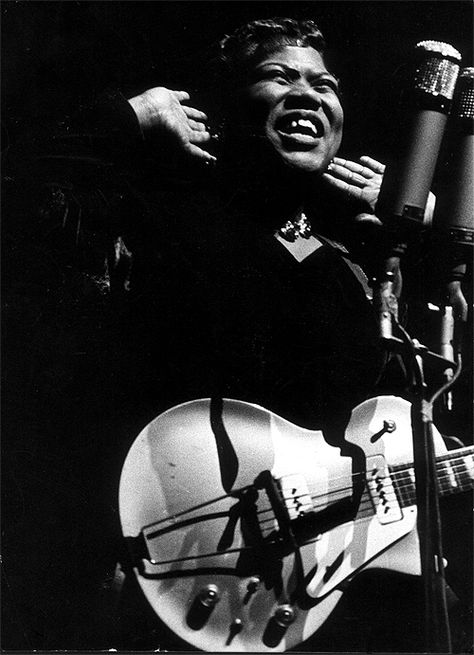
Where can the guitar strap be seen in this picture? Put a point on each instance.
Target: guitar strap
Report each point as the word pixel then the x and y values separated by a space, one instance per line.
pixel 355 268
pixel 363 280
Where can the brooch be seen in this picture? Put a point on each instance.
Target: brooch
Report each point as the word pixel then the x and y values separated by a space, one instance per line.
pixel 297 228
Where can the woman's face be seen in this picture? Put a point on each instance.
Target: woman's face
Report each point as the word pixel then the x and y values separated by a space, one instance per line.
pixel 292 100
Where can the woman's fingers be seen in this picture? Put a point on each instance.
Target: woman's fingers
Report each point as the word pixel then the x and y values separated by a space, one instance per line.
pixel 198 152
pixel 199 136
pixel 367 169
pixel 353 167
pixel 194 114
pixel 347 173
pixel 375 165
pixel 195 125
pixel 358 180
pixel 346 187
pixel 181 95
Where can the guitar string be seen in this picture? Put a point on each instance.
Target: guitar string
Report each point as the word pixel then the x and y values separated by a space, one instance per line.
pixel 462 471
pixel 406 491
pixel 245 548
pixel 401 487
pixel 400 484
pixel 443 475
pixel 366 505
pixel 239 549
pixel 268 508
pixel 459 454
pixel 242 548
pixel 459 470
pixel 365 509
pixel 457 464
pixel 366 500
pixel 310 494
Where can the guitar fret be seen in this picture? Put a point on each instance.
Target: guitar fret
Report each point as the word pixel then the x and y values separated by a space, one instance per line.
pixel 455 471
pixel 411 487
pixel 458 471
pixel 447 481
pixel 464 471
pixel 404 486
pixel 469 466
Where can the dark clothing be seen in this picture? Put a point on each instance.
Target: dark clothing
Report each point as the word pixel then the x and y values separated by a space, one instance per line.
pixel 233 314
pixel 131 290
pixel 210 303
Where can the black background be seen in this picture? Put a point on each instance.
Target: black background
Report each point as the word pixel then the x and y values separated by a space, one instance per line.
pixel 57 52
pixel 56 56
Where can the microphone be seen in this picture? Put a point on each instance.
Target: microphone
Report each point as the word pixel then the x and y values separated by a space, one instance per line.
pixel 453 220
pixel 407 179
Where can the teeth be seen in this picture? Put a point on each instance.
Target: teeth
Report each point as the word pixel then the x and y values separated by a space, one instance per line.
pixel 304 122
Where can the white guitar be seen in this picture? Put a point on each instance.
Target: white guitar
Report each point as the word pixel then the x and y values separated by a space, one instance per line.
pixel 244 529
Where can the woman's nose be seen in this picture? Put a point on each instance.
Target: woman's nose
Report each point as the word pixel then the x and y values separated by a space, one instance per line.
pixel 303 95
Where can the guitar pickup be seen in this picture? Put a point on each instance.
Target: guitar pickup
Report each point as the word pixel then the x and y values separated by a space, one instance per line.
pixel 296 495
pixel 381 490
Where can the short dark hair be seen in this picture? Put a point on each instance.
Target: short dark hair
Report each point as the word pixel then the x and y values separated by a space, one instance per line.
pixel 239 52
pixel 257 39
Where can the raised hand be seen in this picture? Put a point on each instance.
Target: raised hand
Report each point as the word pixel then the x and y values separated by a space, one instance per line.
pixel 359 181
pixel 163 109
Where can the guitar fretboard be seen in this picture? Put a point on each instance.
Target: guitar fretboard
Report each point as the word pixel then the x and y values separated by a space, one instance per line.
pixel 455 471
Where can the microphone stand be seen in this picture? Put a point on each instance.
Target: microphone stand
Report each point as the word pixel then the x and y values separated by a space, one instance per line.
pixel 414 354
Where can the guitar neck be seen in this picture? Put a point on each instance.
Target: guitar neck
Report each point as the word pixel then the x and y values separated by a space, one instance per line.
pixel 455 472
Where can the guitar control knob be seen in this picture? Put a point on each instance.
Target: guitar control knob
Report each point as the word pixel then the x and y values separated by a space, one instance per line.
pixel 276 628
pixel 202 606
pixel 209 595
pixel 284 615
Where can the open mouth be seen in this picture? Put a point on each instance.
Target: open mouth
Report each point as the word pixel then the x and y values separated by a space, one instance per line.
pixel 299 128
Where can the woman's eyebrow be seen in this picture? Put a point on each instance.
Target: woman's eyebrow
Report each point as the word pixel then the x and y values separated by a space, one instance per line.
pixel 295 72
pixel 285 67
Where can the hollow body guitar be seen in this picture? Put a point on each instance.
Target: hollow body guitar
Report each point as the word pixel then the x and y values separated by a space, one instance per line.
pixel 244 528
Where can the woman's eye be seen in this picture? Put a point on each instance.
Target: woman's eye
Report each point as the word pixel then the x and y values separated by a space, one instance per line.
pixel 278 76
pixel 326 85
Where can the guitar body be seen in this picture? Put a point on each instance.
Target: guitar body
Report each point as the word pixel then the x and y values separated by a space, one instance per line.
pixel 244 528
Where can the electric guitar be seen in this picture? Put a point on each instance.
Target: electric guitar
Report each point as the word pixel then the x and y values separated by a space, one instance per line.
pixel 244 529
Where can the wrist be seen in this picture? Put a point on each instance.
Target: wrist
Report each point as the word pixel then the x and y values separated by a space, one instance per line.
pixel 143 111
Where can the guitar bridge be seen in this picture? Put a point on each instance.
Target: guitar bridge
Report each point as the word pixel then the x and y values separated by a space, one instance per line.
pixel 382 493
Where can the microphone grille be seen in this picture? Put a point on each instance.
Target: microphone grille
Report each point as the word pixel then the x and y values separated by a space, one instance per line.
pixel 464 98
pixel 438 69
pixel 439 48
